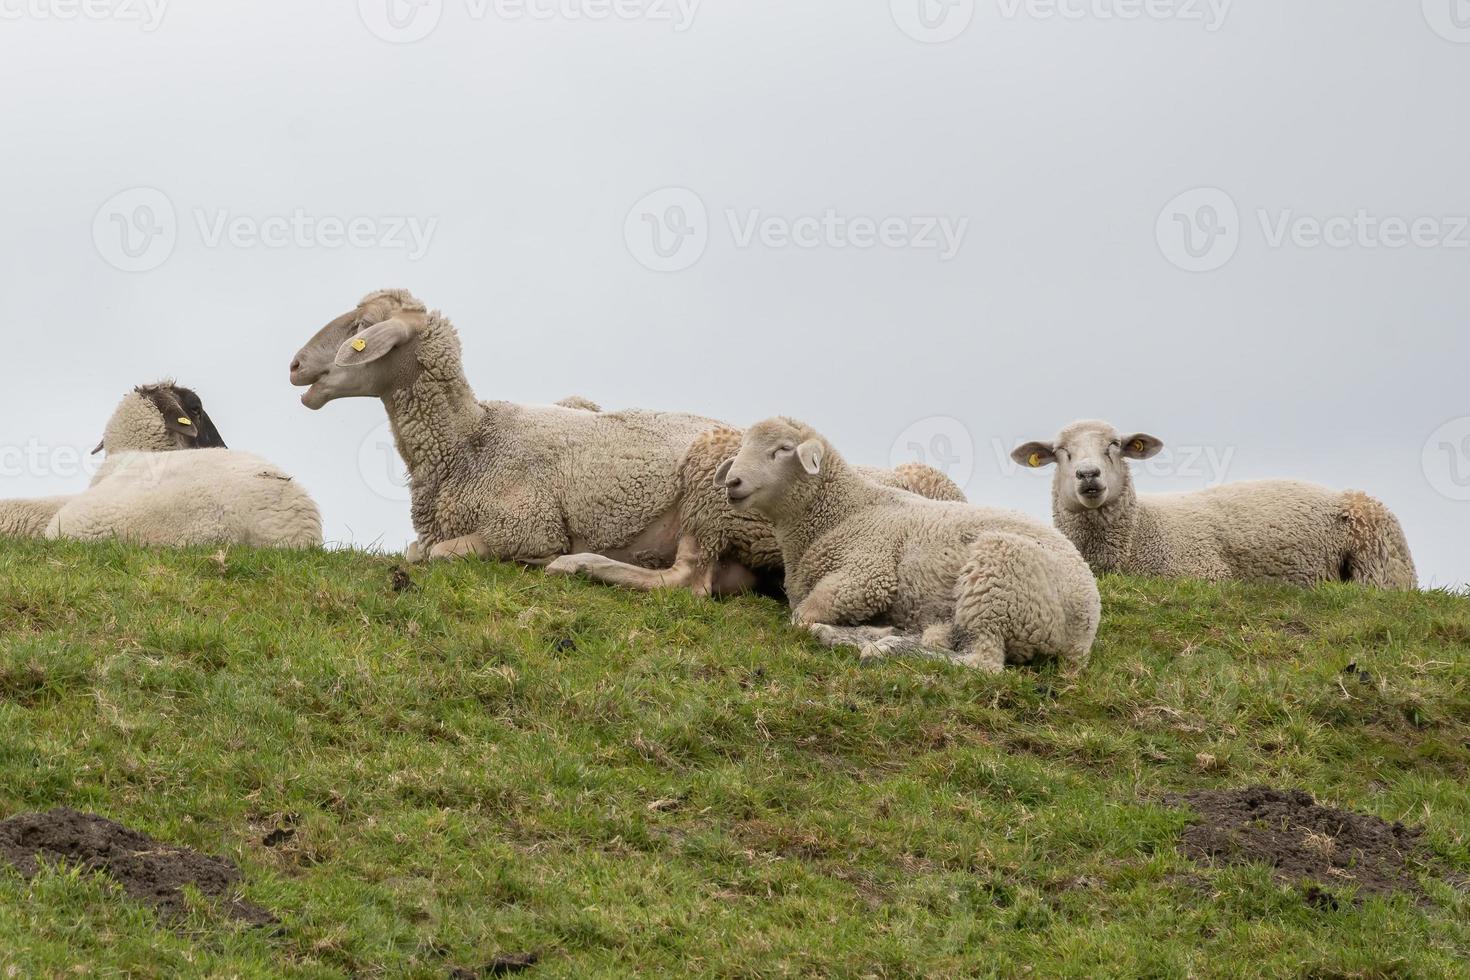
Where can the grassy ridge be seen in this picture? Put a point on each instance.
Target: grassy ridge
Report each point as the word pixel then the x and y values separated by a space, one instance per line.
pixel 494 762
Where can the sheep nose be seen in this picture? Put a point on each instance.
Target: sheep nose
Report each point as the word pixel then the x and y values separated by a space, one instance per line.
pixel 296 365
pixel 733 483
pixel 1088 472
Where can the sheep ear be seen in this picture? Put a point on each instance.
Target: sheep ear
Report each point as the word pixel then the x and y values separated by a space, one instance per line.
pixel 375 342
pixel 1141 445
pixel 99 448
pixel 181 424
pixel 722 473
pixel 1035 454
pixel 810 454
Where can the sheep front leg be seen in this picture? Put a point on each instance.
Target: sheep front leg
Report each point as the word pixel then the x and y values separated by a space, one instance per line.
pixel 469 546
pixel 689 571
pixel 846 598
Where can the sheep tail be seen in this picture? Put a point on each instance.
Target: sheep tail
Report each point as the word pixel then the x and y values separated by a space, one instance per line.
pixel 1377 552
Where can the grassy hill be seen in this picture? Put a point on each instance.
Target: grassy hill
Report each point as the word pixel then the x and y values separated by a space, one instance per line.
pixel 441 772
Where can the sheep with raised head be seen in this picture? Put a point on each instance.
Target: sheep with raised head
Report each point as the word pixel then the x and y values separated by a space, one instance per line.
pixel 1268 530
pixel 990 586
pixel 534 484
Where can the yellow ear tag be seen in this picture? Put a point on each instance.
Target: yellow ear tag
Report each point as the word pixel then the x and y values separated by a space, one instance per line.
pixel 185 422
pixel 1035 460
pixel 1138 445
pixel 359 345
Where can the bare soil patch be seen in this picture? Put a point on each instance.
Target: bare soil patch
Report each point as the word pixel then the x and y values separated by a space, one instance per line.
pixel 147 870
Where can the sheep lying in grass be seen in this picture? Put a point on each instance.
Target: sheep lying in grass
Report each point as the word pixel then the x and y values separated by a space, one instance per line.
pixel 1273 530
pixel 150 418
pixel 991 586
pixel 147 493
pixel 523 483
pixel 718 538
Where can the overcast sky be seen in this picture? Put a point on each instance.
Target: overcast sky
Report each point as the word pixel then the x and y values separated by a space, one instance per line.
pixel 922 226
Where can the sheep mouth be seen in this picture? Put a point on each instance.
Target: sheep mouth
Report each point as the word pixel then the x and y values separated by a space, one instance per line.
pixel 1090 491
pixel 738 497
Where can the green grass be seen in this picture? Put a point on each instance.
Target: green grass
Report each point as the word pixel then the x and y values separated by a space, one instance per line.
pixel 494 762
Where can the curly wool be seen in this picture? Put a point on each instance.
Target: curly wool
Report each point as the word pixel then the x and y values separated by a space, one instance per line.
pixel 534 481
pixel 743 536
pixel 208 496
pixel 994 585
pixel 1275 530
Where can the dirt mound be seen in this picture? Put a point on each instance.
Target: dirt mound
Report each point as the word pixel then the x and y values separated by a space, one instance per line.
pixel 1304 841
pixel 147 870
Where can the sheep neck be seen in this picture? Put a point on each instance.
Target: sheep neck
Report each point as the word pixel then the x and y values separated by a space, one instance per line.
pixel 1103 536
pixel 436 413
pixel 837 493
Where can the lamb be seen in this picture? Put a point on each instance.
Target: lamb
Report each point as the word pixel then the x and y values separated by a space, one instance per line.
pixel 990 586
pixel 159 417
pixel 524 483
pixel 723 538
pixel 1275 530
pixel 148 493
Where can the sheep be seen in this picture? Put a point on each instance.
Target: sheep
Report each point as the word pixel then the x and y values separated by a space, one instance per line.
pixel 990 586
pixel 146 492
pixel 494 479
pixel 208 496
pixel 1275 530
pixel 729 549
pixel 524 483
pixel 151 418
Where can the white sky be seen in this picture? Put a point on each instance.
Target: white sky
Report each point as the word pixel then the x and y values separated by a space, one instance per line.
pixel 518 145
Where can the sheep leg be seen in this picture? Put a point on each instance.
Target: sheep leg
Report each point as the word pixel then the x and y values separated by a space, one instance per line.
pixel 469 546
pixel 876 642
pixel 689 571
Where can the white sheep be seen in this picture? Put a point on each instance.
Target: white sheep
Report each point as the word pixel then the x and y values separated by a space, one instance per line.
pixel 148 493
pixel 523 483
pixel 210 496
pixel 151 418
pixel 992 586
pixel 728 549
pixel 1274 530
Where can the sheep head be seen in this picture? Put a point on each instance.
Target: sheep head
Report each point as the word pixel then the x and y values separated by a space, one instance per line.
pixel 778 468
pixel 159 418
pixel 1092 463
pixel 370 351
